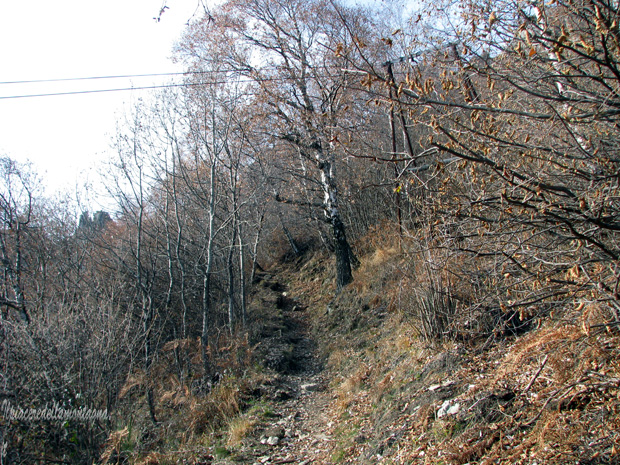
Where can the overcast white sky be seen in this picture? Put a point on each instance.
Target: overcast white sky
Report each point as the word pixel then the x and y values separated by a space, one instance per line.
pixel 67 136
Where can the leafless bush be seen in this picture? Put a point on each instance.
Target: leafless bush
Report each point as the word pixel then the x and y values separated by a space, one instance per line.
pixel 434 312
pixel 73 357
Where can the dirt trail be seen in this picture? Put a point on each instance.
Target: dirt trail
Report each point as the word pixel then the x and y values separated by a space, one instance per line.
pixel 294 431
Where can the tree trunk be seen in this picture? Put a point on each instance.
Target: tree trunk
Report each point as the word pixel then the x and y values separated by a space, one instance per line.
pixel 180 260
pixel 231 279
pixel 204 337
pixel 344 274
pixel 255 263
pixel 206 288
pixel 289 237
pixel 242 274
pixel 343 261
pixel 147 304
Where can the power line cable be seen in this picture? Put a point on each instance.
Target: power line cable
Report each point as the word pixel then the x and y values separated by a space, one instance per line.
pixel 160 86
pixel 123 76
pixel 90 78
pixel 96 91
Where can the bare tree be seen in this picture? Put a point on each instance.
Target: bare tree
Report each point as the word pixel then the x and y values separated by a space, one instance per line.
pixel 132 193
pixel 289 53
pixel 518 102
pixel 16 208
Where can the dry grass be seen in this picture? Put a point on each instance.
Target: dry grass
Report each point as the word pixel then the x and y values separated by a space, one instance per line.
pixel 549 396
pixel 113 445
pixel 154 458
pixel 349 386
pixel 563 387
pixel 135 379
pixel 337 358
pixel 238 429
pixel 188 417
pixel 379 257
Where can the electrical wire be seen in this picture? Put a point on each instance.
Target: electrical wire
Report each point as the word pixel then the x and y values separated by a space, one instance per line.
pixel 97 91
pixel 90 78
pixel 123 76
pixel 124 89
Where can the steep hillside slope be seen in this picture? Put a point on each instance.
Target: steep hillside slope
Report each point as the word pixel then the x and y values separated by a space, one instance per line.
pixel 549 395
pixel 351 379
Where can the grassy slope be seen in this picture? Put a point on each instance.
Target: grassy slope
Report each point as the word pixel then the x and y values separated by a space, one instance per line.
pixel 550 395
pixel 547 396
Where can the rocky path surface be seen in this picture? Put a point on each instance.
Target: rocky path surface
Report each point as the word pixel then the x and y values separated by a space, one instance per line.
pixel 296 432
pixel 294 425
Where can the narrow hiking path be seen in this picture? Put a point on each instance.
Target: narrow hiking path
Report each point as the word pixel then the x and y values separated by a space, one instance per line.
pixel 293 424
